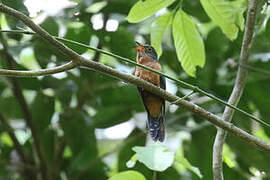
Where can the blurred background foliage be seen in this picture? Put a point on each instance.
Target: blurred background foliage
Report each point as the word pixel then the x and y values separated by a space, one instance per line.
pixel 87 122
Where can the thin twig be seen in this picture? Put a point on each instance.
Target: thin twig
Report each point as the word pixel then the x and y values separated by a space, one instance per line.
pixel 17 91
pixel 252 140
pixel 40 72
pixel 182 83
pixel 237 90
pixel 258 70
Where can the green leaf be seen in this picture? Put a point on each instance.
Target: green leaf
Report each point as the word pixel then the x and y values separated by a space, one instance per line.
pixel 51 26
pixel 222 13
pixel 80 137
pixel 181 163
pixel 188 43
pixel 142 10
pixel 130 175
pixel 10 107
pixel 5 138
pixel 131 163
pixel 136 138
pixel 239 8
pixel 155 157
pixel 157 30
pixel 42 110
pixel 79 33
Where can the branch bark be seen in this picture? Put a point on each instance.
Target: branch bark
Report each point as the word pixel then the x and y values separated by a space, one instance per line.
pixel 79 60
pixel 182 83
pixel 237 90
pixel 17 91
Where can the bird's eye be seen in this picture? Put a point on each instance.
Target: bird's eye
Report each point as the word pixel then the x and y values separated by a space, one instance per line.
pixel 149 49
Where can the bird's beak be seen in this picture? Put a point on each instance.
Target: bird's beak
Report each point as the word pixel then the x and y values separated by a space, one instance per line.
pixel 139 47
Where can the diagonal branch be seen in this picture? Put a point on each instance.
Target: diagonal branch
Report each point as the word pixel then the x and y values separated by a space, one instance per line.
pixel 252 140
pixel 17 91
pixel 182 83
pixel 14 139
pixel 237 90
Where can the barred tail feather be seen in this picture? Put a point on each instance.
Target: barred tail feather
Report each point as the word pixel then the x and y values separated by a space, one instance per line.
pixel 156 128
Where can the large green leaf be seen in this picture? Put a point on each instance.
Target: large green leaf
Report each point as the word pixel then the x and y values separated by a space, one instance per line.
pixel 143 9
pixel 188 43
pixel 157 30
pixel 130 175
pixel 155 157
pixel 222 13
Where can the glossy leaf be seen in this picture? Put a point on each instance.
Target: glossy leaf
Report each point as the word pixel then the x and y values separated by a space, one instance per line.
pixel 155 157
pixel 223 14
pixel 143 9
pixel 157 31
pixel 188 43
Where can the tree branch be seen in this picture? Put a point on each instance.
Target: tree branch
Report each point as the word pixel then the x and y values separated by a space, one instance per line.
pixel 25 161
pixel 17 91
pixel 182 83
pixel 252 140
pixel 36 73
pixel 237 90
pixel 14 139
pixel 180 102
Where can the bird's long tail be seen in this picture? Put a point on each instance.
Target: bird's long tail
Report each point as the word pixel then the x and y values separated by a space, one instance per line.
pixel 156 128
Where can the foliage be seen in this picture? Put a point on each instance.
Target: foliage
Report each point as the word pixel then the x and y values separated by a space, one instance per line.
pixel 73 111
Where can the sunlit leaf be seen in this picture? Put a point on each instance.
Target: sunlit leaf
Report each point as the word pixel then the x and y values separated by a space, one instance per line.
pixel 130 175
pixel 157 30
pixel 143 9
pixel 222 13
pixel 5 138
pixel 188 43
pixel 155 157
pixel 131 163
pixel 239 7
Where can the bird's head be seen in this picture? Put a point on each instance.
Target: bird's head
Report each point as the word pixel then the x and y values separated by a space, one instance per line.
pixel 147 50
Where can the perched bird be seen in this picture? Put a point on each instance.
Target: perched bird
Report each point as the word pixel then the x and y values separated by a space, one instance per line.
pixel 154 105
